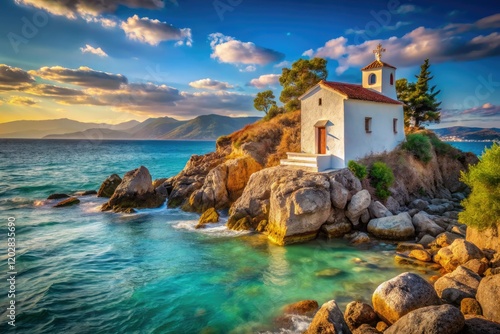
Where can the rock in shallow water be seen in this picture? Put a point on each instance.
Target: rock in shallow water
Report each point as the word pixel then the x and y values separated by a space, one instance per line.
pixel 57 196
pixel 109 186
pixel 210 216
pixel 67 202
pixel 328 320
pixel 135 191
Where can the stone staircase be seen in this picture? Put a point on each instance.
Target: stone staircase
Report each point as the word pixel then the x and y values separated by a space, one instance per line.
pixel 302 160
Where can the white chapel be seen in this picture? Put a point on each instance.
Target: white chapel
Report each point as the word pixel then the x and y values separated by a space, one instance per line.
pixel 343 121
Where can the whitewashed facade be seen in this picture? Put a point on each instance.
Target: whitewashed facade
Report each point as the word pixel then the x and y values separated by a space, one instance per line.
pixel 342 122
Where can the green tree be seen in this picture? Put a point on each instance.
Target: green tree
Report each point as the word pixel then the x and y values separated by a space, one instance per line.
pixel 482 207
pixel 421 104
pixel 296 81
pixel 264 101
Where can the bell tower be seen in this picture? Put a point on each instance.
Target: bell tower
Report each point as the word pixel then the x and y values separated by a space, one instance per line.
pixel 380 76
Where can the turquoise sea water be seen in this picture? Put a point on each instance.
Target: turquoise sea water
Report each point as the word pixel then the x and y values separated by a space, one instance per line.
pixel 83 271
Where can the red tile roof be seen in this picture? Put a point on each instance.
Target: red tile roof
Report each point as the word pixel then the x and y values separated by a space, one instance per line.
pixel 376 64
pixel 357 92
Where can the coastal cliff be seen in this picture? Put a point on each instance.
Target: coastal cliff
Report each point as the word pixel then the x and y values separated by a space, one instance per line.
pixel 217 179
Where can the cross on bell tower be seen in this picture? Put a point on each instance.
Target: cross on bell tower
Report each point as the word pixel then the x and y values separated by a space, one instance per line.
pixel 378 52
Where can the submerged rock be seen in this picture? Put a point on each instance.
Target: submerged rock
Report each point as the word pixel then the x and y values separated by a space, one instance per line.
pixel 109 186
pixel 304 307
pixel 67 202
pixel 135 191
pixel 442 319
pixel 401 295
pixel 328 320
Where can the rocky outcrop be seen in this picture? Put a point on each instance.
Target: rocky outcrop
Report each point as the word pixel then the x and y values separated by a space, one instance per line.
pixel 135 191
pixel 401 295
pixel 358 313
pixel 461 283
pixel 488 294
pixel 210 216
pixel 458 253
pixel 397 227
pixel 328 320
pixel 109 186
pixel 488 238
pixel 67 202
pixel 442 319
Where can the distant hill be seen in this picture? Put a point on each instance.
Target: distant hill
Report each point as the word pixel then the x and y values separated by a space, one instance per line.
pixel 93 134
pixel 40 129
pixel 467 133
pixel 209 127
pixel 206 127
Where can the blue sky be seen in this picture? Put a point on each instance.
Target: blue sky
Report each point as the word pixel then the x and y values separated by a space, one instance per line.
pixel 116 60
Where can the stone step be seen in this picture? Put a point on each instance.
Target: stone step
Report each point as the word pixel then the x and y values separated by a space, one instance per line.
pixel 302 157
pixel 298 163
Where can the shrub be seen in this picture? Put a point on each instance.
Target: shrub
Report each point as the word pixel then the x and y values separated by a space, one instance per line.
pixel 482 207
pixel 273 112
pixel 357 169
pixel 381 178
pixel 419 145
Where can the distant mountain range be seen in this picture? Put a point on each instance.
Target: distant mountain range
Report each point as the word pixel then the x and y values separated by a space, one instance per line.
pixel 206 127
pixel 466 133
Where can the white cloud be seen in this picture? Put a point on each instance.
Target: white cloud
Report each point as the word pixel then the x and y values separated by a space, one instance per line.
pixel 210 84
pixel 440 45
pixel 284 63
pixel 265 80
pixel 398 25
pixel 14 78
pixel 154 32
pixel 74 8
pixel 406 9
pixel 96 51
pixel 226 49
pixel 249 68
pixel 105 22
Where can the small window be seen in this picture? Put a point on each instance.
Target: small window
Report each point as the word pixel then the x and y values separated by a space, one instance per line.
pixel 395 124
pixel 392 79
pixel 368 124
pixel 372 79
pixel 320 102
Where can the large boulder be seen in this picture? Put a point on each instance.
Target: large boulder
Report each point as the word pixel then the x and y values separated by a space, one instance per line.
pixel 358 204
pixel 461 283
pixel 488 294
pixel 425 225
pixel 109 186
pixel 397 227
pixel 442 319
pixel 401 295
pixel 328 320
pixel 358 313
pixel 298 209
pixel 458 253
pixel 135 191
